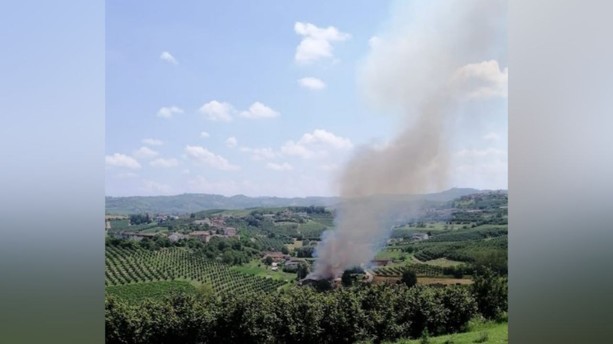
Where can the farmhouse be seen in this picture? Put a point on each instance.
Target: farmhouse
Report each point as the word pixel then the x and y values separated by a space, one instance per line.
pixel 276 256
pixel 174 237
pixel 218 221
pixel 202 222
pixel 230 231
pixel 133 235
pixel 419 236
pixel 292 265
pixel 201 235
pixel 161 218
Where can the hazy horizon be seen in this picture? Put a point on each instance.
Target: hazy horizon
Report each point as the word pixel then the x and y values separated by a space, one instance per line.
pixel 308 196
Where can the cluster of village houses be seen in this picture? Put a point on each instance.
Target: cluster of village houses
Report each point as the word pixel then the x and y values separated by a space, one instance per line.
pixel 219 229
pixel 217 225
pixel 289 263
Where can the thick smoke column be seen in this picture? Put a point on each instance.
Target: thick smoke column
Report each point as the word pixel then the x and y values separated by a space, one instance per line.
pixel 414 69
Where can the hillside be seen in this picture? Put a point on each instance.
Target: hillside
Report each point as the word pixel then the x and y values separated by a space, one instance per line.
pixel 188 203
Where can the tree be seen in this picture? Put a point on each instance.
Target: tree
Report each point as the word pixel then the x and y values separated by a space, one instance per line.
pixel 221 245
pixel 490 291
pixel 205 291
pixel 409 278
pixel 284 250
pixel 305 251
pixel 322 285
pixel 346 279
pixel 303 271
pixel 268 260
pixel 228 257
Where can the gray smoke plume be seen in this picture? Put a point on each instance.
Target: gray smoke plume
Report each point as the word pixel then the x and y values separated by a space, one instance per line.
pixel 412 69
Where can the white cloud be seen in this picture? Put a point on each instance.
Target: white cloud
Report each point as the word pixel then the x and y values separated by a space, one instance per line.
pixel 169 111
pixel 312 83
pixel 258 110
pixel 320 136
pixel 166 56
pixel 231 142
pixel 491 137
pixel 316 42
pixel 122 160
pixel 203 155
pixel 294 149
pixel 145 153
pixel 317 143
pixel 260 153
pixel 152 142
pixel 218 111
pixel 164 163
pixel 279 167
pixel 205 135
pixel 155 188
pixel 482 80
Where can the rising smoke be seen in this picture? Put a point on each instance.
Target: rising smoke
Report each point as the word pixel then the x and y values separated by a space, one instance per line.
pixel 412 69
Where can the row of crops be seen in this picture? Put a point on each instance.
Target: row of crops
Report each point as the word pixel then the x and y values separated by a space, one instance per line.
pixel 478 233
pixel 274 244
pixel 419 269
pixel 465 251
pixel 127 266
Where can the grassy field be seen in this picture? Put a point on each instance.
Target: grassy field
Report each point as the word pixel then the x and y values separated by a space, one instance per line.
pixel 252 268
pixel 297 244
pixel 484 333
pixel 443 262
pixel 392 254
pixel 140 291
pixel 424 280
pixel 123 223
pixel 156 230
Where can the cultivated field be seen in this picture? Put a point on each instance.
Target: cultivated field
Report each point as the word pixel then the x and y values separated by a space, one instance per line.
pixel 137 267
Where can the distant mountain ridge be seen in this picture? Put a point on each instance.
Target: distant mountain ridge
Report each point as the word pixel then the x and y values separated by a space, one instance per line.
pixel 188 203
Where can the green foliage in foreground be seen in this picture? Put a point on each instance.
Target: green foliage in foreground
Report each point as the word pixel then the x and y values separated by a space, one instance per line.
pixel 491 293
pixel 370 313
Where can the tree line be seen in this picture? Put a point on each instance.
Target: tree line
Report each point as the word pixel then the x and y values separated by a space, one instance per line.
pixel 303 315
pixel 231 251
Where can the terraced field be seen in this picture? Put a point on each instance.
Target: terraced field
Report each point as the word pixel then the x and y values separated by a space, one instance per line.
pixel 132 266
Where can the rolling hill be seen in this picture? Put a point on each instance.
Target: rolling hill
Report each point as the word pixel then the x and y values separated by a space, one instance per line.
pixel 188 203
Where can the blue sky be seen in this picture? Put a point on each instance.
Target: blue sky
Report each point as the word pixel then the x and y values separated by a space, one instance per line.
pixel 259 98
